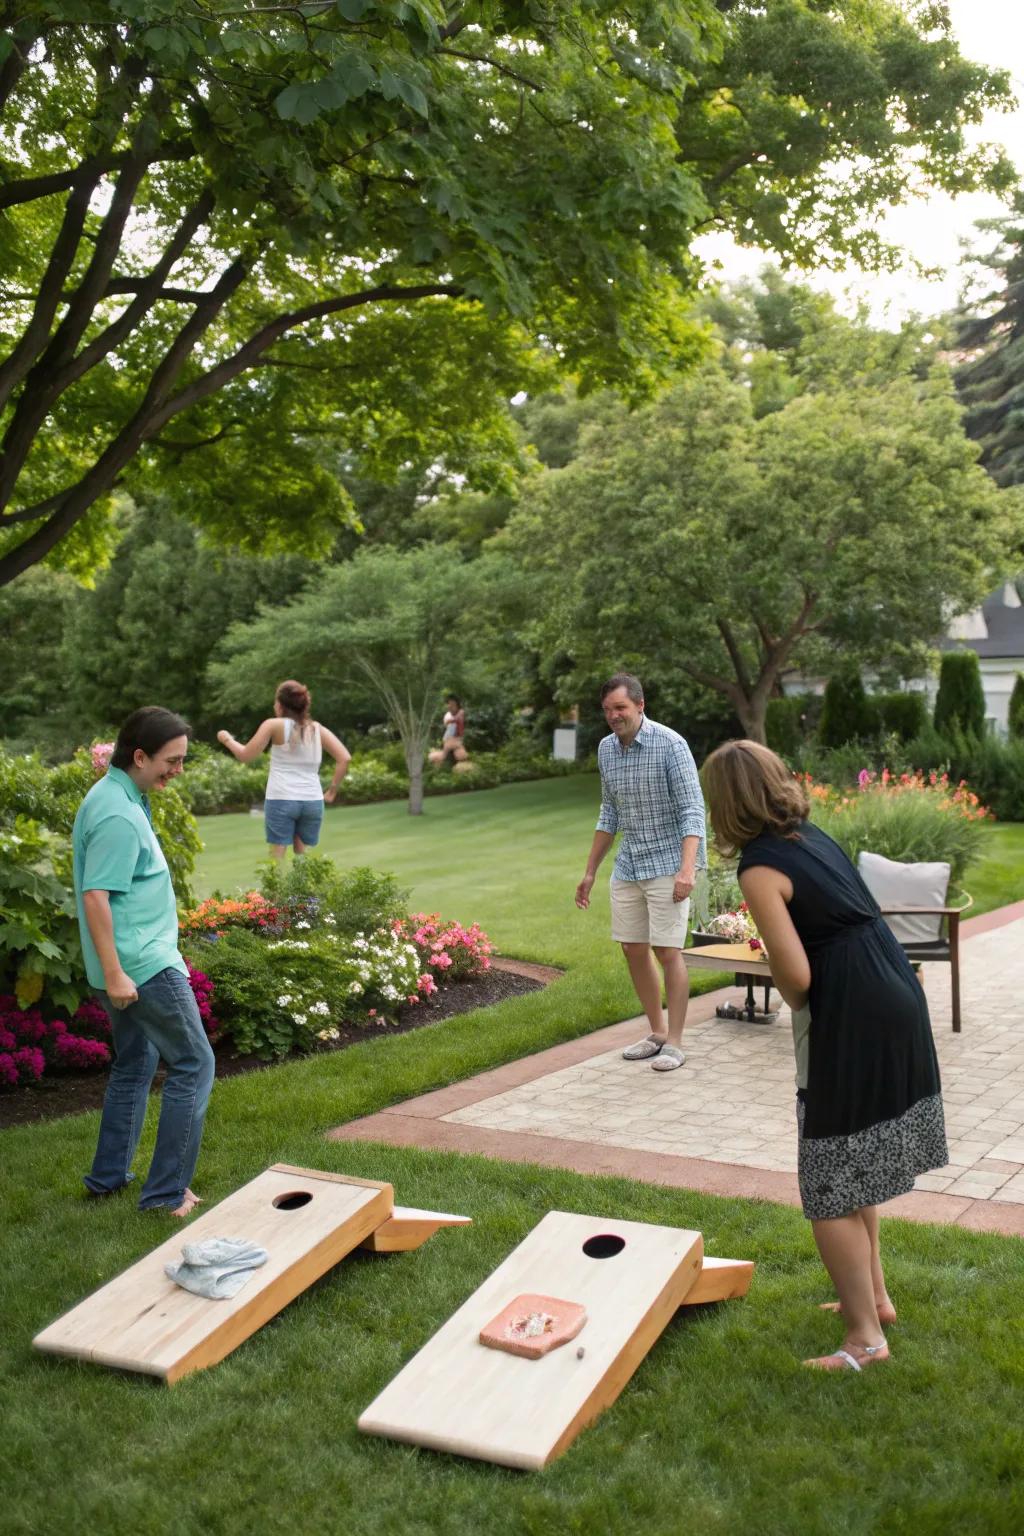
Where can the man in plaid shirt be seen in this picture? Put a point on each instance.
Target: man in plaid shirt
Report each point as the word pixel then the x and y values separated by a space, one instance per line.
pixel 650 793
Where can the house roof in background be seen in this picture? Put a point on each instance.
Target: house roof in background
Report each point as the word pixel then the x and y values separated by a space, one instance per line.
pixel 995 629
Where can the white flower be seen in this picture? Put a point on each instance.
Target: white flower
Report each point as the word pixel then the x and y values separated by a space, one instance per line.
pixel 321 1008
pixel 284 1000
pixel 328 1034
pixel 355 988
pixel 300 1018
pixel 331 920
pixel 303 925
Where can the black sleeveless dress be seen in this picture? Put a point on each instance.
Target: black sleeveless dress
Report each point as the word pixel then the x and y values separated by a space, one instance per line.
pixel 871 1119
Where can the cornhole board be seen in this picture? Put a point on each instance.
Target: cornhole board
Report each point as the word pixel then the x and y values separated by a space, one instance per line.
pixel 306 1220
pixel 457 1395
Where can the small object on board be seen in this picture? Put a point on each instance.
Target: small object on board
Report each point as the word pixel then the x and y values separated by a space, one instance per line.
pixel 532 1326
pixel 218 1267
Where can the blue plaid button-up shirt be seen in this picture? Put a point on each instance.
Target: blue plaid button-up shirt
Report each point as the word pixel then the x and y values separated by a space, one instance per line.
pixel 650 793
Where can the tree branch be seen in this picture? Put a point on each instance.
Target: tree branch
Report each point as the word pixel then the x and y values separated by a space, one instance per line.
pixel 735 655
pixel 58 367
pixel 29 188
pixel 502 69
pixel 249 354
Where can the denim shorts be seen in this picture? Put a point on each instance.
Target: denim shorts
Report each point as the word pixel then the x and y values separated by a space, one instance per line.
pixel 288 819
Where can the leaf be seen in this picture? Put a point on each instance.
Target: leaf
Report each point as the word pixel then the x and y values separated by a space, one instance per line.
pixel 353 10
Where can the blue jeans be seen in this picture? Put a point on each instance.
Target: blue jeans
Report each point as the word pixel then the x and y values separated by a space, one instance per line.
pixel 164 1022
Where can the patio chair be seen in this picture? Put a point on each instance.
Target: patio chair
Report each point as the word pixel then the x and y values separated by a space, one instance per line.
pixel 914 902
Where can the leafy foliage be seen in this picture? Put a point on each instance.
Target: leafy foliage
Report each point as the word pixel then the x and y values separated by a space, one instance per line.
pixel 339 225
pixel 990 334
pixel 880 523
pixel 40 951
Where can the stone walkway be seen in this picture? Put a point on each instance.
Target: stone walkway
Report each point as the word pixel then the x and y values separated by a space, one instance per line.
pixel 725 1122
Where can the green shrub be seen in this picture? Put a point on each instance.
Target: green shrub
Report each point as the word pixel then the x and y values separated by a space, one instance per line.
pixel 40 952
pixel 903 715
pixel 214 782
pixel 847 714
pixel 351 900
pixel 370 779
pixel 960 703
pixel 783 727
pixel 1015 723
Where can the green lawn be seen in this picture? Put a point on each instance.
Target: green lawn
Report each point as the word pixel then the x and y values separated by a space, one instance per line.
pixel 720 1431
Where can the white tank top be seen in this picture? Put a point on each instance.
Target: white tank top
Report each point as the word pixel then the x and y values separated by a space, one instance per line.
pixel 294 767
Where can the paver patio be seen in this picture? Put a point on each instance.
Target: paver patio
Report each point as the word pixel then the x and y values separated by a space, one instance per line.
pixel 725 1121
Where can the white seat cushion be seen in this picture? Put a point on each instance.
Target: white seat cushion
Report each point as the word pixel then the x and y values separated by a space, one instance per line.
pixel 907 885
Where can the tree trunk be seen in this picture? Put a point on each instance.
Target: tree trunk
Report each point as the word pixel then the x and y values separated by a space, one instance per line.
pixel 752 717
pixel 415 767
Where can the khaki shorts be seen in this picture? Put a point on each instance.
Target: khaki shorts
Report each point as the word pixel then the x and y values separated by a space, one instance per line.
pixel 643 912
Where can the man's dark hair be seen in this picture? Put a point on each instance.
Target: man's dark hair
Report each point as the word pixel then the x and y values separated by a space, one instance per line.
pixel 633 686
pixel 147 730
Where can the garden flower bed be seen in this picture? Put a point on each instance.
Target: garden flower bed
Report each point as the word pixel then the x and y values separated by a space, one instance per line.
pixel 74 1091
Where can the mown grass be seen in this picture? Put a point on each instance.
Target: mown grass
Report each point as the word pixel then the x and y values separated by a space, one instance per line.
pixel 720 1430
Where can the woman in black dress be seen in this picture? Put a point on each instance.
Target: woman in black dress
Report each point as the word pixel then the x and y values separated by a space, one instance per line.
pixel 869 1103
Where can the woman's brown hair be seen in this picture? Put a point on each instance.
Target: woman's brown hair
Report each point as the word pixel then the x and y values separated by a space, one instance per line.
pixel 749 791
pixel 295 699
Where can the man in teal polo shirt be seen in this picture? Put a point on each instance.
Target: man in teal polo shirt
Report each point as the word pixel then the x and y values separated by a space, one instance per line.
pixel 129 926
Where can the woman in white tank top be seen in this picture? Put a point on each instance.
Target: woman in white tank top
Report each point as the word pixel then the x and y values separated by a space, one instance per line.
pixel 294 806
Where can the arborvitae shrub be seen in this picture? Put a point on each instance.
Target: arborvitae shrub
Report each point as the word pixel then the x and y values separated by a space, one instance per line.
pixel 902 714
pixel 960 704
pixel 782 725
pixel 848 714
pixel 1016 719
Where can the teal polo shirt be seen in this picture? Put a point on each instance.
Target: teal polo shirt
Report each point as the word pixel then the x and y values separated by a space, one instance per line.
pixel 116 850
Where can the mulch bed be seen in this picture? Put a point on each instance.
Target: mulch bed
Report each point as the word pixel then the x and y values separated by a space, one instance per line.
pixel 72 1093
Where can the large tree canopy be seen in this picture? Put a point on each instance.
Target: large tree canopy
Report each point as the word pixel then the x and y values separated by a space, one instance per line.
pixel 336 222
pixel 696 538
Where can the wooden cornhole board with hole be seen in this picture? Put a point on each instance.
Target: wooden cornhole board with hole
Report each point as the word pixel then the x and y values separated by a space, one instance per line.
pixel 306 1220
pixel 460 1396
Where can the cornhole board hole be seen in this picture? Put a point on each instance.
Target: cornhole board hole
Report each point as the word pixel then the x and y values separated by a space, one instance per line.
pixel 306 1220
pixel 457 1395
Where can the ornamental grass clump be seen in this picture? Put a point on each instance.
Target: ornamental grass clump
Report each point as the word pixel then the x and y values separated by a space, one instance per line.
pixel 915 818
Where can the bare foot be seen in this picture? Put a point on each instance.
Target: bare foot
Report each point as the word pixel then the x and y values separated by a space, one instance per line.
pixel 188 1205
pixel 885 1309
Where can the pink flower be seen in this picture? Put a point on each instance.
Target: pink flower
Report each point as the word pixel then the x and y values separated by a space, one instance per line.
pixel 373 1013
pixel 427 984
pixel 101 752
pixel 863 778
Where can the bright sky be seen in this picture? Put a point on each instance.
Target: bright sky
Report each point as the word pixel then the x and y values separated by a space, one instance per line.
pixel 992 32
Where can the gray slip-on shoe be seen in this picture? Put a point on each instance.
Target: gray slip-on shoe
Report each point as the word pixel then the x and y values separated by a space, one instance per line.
pixel 650 1045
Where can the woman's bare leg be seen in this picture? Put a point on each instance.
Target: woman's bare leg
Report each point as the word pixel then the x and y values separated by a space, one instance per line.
pixel 883 1302
pixel 845 1245
pixel 277 850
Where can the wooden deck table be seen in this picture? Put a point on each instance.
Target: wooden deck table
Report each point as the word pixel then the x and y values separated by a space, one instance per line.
pixel 740 959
